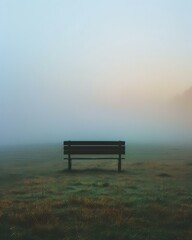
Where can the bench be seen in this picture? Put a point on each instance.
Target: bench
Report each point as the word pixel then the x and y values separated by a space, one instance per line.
pixel 93 148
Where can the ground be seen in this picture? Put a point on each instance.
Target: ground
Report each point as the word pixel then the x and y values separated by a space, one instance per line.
pixel 150 199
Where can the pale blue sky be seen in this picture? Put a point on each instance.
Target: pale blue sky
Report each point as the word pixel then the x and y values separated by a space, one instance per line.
pixel 87 69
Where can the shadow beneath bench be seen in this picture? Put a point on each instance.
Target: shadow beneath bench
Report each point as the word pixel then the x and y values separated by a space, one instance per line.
pixel 92 171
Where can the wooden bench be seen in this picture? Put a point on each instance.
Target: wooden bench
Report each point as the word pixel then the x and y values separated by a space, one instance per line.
pixel 92 148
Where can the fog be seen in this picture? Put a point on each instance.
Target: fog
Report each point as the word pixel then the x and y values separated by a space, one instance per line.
pixel 95 70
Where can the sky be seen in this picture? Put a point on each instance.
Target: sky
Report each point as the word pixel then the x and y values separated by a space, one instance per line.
pixel 94 70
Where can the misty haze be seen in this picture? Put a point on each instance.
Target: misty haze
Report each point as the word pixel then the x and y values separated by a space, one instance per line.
pixel 90 71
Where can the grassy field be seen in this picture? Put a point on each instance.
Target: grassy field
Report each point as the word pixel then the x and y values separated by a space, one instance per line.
pixel 151 199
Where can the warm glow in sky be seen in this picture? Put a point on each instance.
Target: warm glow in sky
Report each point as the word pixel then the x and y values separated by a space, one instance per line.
pixel 97 69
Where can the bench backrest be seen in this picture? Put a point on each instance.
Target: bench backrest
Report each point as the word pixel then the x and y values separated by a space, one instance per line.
pixel 94 147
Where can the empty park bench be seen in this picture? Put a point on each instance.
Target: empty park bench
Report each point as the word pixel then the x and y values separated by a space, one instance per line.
pixel 92 149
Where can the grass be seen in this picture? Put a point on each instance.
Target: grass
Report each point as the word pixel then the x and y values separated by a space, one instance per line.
pixel 151 199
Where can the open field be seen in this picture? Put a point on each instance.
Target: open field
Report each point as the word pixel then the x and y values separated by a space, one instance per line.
pixel 151 199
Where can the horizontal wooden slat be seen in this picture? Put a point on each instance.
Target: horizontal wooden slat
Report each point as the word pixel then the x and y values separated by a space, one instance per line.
pixel 115 143
pixel 94 149
pixel 93 158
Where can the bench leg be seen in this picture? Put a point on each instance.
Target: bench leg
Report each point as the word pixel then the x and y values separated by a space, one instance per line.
pixel 119 164
pixel 69 163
